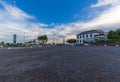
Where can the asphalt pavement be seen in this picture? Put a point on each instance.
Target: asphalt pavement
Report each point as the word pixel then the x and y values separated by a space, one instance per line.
pixel 60 64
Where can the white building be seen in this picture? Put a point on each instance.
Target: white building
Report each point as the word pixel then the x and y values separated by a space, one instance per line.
pixel 91 36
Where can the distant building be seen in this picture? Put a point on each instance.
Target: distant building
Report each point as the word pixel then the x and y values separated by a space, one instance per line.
pixel 14 39
pixel 91 36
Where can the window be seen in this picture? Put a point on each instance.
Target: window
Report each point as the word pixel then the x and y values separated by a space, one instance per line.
pixel 87 35
pixel 80 36
pixel 90 35
pixel 83 36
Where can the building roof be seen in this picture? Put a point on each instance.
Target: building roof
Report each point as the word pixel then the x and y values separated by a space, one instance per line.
pixel 92 31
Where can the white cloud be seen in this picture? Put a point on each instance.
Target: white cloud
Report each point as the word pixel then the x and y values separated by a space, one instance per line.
pixel 106 2
pixel 14 13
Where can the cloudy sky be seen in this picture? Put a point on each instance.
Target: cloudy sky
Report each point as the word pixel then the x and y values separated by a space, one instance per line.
pixel 63 18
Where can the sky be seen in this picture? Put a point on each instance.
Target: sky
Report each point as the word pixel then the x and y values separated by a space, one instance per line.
pixel 59 18
pixel 55 11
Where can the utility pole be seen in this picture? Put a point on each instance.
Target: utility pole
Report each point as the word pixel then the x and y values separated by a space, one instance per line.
pixel 35 37
pixel 105 37
pixel 24 37
pixel 63 40
pixel 54 38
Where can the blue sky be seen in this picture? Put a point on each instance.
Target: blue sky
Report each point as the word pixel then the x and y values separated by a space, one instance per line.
pixel 55 11
pixel 66 18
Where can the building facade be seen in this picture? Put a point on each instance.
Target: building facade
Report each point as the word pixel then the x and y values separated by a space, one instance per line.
pixel 91 36
pixel 14 39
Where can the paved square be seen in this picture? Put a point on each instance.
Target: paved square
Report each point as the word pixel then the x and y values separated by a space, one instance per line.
pixel 60 64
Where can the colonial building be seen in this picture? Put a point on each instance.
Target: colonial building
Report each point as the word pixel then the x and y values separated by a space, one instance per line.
pixel 91 36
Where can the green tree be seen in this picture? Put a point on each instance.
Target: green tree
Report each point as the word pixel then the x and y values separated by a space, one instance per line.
pixel 43 39
pixel 71 41
pixel 8 44
pixel 118 32
pixel 2 43
pixel 114 35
